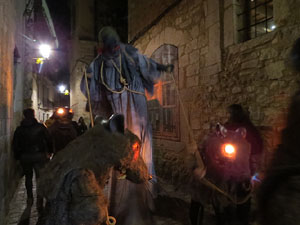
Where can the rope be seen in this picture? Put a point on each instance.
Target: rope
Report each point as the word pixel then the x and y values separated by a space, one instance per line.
pixel 234 200
pixel 89 98
pixel 110 220
pixel 122 79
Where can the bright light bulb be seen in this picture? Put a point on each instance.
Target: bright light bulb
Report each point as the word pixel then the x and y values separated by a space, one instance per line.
pixel 45 50
pixel 273 27
pixel 60 111
pixel 229 149
pixel 62 88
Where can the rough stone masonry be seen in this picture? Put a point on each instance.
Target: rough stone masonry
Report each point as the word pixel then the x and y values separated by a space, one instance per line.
pixel 10 14
pixel 216 70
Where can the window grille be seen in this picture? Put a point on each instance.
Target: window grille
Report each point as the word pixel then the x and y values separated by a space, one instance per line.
pixel 163 106
pixel 255 18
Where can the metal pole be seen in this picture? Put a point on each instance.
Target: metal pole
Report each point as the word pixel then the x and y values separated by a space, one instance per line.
pixel 89 98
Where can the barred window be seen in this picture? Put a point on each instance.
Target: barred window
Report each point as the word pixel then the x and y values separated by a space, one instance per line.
pixel 163 106
pixel 255 18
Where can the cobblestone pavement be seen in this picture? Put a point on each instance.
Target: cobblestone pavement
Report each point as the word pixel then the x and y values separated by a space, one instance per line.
pixel 173 209
pixel 18 213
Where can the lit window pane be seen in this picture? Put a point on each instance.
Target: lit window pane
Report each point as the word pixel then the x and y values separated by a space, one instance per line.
pixel 271 25
pixel 256 20
pixel 162 106
pixel 261 29
pixel 261 13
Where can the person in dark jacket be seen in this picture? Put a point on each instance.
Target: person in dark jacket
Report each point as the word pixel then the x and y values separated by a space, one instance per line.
pixel 63 130
pixel 238 118
pixel 32 146
pixel 82 126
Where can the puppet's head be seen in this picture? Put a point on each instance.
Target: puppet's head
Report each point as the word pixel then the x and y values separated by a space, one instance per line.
pixel 131 165
pixel 109 41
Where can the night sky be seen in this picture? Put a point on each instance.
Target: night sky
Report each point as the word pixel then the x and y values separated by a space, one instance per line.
pixel 60 13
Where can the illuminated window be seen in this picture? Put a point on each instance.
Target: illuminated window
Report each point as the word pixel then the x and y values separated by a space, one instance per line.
pixel 163 106
pixel 255 18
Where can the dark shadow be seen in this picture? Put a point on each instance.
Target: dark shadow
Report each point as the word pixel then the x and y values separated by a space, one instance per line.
pixel 25 218
pixel 174 208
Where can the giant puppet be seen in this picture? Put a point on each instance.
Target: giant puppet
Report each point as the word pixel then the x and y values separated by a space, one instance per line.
pixel 74 180
pixel 119 77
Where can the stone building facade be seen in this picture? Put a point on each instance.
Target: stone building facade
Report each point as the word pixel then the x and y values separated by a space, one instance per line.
pixel 45 97
pixel 11 22
pixel 83 44
pixel 17 53
pixel 216 68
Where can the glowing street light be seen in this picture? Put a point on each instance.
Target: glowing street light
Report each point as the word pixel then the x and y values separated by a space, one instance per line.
pixel 62 88
pixel 45 50
pixel 273 27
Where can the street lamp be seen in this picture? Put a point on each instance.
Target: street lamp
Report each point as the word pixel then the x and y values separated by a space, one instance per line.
pixel 45 50
pixel 62 88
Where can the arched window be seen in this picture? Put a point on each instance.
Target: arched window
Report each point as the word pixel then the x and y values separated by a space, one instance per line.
pixel 163 106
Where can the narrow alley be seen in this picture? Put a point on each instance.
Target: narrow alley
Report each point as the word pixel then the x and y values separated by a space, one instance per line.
pixel 149 112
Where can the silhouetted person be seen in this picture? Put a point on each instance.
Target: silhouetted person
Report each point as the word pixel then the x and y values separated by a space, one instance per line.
pixel 239 118
pixel 63 130
pixel 82 126
pixel 32 146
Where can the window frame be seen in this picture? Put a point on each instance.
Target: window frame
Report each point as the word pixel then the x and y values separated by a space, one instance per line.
pixel 245 17
pixel 160 103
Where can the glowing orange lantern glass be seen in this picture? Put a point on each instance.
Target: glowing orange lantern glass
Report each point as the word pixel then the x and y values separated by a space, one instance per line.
pixel 228 150
pixel 60 111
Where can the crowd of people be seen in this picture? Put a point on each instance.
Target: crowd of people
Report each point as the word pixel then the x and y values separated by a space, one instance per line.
pixel 44 141
pixel 35 143
pixel 119 77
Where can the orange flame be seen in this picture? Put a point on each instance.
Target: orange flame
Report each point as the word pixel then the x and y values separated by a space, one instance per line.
pixel 136 150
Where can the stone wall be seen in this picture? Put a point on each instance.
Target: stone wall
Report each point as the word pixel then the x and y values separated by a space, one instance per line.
pixel 10 16
pixel 83 51
pixel 216 71
pixel 112 13
pixel 142 13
